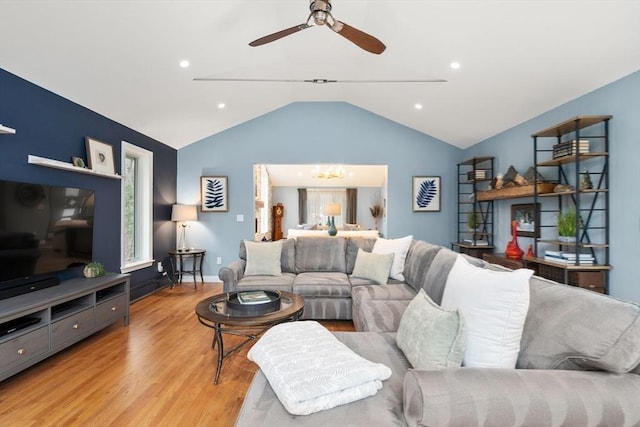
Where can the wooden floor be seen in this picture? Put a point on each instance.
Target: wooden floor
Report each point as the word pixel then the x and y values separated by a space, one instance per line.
pixel 158 371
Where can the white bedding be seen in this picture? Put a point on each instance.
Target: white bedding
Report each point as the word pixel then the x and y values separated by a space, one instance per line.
pixel 310 370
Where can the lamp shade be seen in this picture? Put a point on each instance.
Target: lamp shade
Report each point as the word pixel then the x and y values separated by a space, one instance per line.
pixel 182 213
pixel 332 209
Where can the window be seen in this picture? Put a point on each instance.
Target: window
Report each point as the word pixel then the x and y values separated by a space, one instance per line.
pixel 318 199
pixel 137 208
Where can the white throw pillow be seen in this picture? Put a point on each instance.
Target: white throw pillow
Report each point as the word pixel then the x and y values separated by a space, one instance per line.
pixel 430 336
pixel 263 258
pixel 373 267
pixel 494 305
pixel 399 247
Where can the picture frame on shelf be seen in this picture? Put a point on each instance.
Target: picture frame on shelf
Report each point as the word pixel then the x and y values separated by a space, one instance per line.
pixel 214 194
pixel 78 162
pixel 426 194
pixel 527 216
pixel 100 156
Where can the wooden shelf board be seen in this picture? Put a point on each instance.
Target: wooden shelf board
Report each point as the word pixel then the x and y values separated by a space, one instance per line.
pixel 568 266
pixel 582 245
pixel 572 159
pixel 514 192
pixel 476 160
pixel 57 164
pixel 568 193
pixel 6 130
pixel 570 125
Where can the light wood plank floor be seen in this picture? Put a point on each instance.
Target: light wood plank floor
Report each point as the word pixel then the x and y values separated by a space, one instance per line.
pixel 158 371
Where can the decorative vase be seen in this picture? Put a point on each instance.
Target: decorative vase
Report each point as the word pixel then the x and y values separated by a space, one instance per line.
pixel 513 251
pixel 530 253
pixel 332 227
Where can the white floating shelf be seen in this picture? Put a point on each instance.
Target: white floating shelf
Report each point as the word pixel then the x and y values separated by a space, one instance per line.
pixel 57 164
pixel 5 129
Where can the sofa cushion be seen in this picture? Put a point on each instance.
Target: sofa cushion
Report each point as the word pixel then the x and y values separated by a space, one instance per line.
pixel 374 267
pixel 418 261
pixel 261 406
pixel 263 258
pixel 320 254
pixel 430 336
pixel 399 247
pixel 268 283
pixel 353 244
pixel 494 305
pixel 322 284
pixel 573 328
pixel 379 315
pixel 362 289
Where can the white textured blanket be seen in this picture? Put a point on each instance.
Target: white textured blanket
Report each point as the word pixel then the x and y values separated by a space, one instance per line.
pixel 311 370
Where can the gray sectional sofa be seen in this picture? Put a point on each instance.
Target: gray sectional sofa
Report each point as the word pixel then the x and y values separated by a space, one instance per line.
pixel 579 362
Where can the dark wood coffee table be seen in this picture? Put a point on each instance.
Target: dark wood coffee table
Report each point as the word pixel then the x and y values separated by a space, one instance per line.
pixel 215 313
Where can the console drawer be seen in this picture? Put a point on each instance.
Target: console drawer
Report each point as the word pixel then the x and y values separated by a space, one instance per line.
pixel 23 348
pixel 72 328
pixel 110 311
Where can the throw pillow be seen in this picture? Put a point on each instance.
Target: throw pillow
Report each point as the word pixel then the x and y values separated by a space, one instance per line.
pixel 494 305
pixel 430 336
pixel 399 247
pixel 263 258
pixel 374 267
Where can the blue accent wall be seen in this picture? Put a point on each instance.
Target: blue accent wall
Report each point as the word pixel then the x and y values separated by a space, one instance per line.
pixel 307 133
pixel 621 99
pixel 50 126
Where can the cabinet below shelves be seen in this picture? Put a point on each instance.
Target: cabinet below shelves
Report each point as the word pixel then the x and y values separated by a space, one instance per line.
pixel 61 315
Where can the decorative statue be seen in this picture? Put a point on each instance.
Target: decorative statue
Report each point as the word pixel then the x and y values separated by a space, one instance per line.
pixel 513 251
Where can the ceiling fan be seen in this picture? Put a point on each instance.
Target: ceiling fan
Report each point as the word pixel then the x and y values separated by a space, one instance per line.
pixel 321 14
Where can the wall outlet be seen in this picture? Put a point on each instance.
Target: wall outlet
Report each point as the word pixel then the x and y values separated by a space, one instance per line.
pixel 240 218
pixel 160 267
pixel 219 260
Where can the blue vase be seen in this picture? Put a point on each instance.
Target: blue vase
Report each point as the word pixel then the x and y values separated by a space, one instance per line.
pixel 332 228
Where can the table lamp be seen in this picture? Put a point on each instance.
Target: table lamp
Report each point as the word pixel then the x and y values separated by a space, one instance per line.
pixel 182 214
pixel 331 210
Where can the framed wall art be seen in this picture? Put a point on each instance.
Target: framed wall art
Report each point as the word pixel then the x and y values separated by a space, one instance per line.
pixel 426 193
pixel 528 218
pixel 99 155
pixel 214 194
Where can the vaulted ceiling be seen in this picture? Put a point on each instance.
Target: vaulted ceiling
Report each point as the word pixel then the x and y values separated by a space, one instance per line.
pixel 518 59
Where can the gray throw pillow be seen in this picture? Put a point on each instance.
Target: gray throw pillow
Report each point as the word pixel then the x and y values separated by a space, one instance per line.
pixel 374 267
pixel 263 258
pixel 430 336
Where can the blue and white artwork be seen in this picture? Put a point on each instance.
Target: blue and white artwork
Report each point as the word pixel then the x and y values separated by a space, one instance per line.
pixel 426 193
pixel 213 193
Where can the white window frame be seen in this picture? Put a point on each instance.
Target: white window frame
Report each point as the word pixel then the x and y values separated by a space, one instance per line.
pixel 144 208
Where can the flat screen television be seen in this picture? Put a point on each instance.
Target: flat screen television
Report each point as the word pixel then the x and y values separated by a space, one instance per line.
pixel 44 230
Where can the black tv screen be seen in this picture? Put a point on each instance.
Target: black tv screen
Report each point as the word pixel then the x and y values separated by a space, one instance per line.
pixel 44 229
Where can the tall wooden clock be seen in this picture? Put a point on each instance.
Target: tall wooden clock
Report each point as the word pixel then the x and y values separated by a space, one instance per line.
pixel 276 214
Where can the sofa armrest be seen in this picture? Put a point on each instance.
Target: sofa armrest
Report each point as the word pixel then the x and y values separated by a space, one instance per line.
pixel 520 397
pixel 231 275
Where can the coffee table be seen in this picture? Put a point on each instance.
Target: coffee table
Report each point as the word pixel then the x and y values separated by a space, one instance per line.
pixel 215 312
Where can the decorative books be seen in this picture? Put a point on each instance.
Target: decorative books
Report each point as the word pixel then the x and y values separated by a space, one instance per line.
pixel 253 297
pixel 476 174
pixel 568 257
pixel 570 148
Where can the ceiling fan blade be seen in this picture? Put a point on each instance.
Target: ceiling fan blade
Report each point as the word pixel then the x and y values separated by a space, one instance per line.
pixel 357 37
pixel 279 35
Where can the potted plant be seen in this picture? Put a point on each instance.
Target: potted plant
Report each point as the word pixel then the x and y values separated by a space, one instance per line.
pixel 566 224
pixel 473 220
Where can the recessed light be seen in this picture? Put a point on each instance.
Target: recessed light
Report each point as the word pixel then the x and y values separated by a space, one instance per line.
pixel 221 105
pixel 455 65
pixel 184 63
pixel 418 106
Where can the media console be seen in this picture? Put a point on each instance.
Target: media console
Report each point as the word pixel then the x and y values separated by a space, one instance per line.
pixel 41 323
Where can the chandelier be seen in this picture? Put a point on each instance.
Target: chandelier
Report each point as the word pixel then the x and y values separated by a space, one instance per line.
pixel 328 172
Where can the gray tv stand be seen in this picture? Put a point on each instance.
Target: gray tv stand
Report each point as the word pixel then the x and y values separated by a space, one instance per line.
pixel 65 314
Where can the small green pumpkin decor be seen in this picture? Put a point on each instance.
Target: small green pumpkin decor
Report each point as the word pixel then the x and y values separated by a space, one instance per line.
pixel 93 269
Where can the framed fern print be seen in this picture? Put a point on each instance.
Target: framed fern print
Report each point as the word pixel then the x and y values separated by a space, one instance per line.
pixel 213 194
pixel 426 193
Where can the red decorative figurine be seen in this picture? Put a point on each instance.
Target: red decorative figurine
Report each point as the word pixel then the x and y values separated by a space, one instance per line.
pixel 513 251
